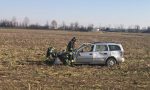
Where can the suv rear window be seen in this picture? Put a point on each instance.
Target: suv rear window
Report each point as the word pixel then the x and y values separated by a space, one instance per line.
pixel 114 48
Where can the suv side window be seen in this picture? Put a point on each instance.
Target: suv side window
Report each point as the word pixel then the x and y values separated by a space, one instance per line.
pixel 101 48
pixel 114 48
pixel 88 48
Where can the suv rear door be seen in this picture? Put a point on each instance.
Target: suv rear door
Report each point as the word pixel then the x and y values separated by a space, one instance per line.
pixel 116 51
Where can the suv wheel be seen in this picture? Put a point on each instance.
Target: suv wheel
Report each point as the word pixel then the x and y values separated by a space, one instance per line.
pixel 111 62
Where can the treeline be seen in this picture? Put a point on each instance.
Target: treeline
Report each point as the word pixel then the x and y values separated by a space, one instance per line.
pixel 133 29
pixel 53 25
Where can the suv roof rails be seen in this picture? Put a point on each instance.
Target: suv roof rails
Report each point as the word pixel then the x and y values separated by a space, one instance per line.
pixel 103 42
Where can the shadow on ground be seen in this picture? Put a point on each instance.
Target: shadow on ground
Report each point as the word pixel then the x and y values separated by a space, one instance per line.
pixel 32 62
pixel 49 63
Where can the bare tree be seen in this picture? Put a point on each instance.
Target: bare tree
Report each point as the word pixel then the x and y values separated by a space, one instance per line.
pixel 47 25
pixel 121 26
pixel 54 24
pixel 26 22
pixel 148 27
pixel 76 25
pixel 64 26
pixel 137 27
pixel 72 26
pixel 90 27
pixel 14 22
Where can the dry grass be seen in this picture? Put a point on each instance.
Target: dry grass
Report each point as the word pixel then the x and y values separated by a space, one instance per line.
pixel 22 67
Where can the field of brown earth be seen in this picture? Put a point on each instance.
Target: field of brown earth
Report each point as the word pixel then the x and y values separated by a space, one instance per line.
pixel 23 67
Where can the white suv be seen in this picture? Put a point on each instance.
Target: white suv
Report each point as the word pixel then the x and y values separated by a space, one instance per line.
pixel 99 53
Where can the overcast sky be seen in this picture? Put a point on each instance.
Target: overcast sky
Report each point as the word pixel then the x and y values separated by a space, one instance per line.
pixel 98 12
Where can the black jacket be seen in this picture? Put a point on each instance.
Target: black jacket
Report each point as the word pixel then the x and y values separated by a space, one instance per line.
pixel 71 46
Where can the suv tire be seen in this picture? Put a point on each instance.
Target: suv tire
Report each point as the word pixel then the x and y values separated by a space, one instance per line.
pixel 111 62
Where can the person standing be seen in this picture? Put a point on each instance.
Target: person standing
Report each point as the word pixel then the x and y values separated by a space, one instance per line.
pixel 71 45
pixel 70 49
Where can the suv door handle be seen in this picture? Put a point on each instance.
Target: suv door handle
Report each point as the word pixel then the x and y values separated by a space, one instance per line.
pixel 90 54
pixel 105 53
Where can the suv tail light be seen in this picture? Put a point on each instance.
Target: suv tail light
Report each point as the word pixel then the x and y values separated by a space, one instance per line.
pixel 121 54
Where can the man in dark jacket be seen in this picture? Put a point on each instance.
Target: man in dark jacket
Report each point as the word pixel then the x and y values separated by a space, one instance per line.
pixel 71 45
pixel 70 49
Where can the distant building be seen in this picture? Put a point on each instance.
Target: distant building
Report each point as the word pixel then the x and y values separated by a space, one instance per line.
pixel 96 30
